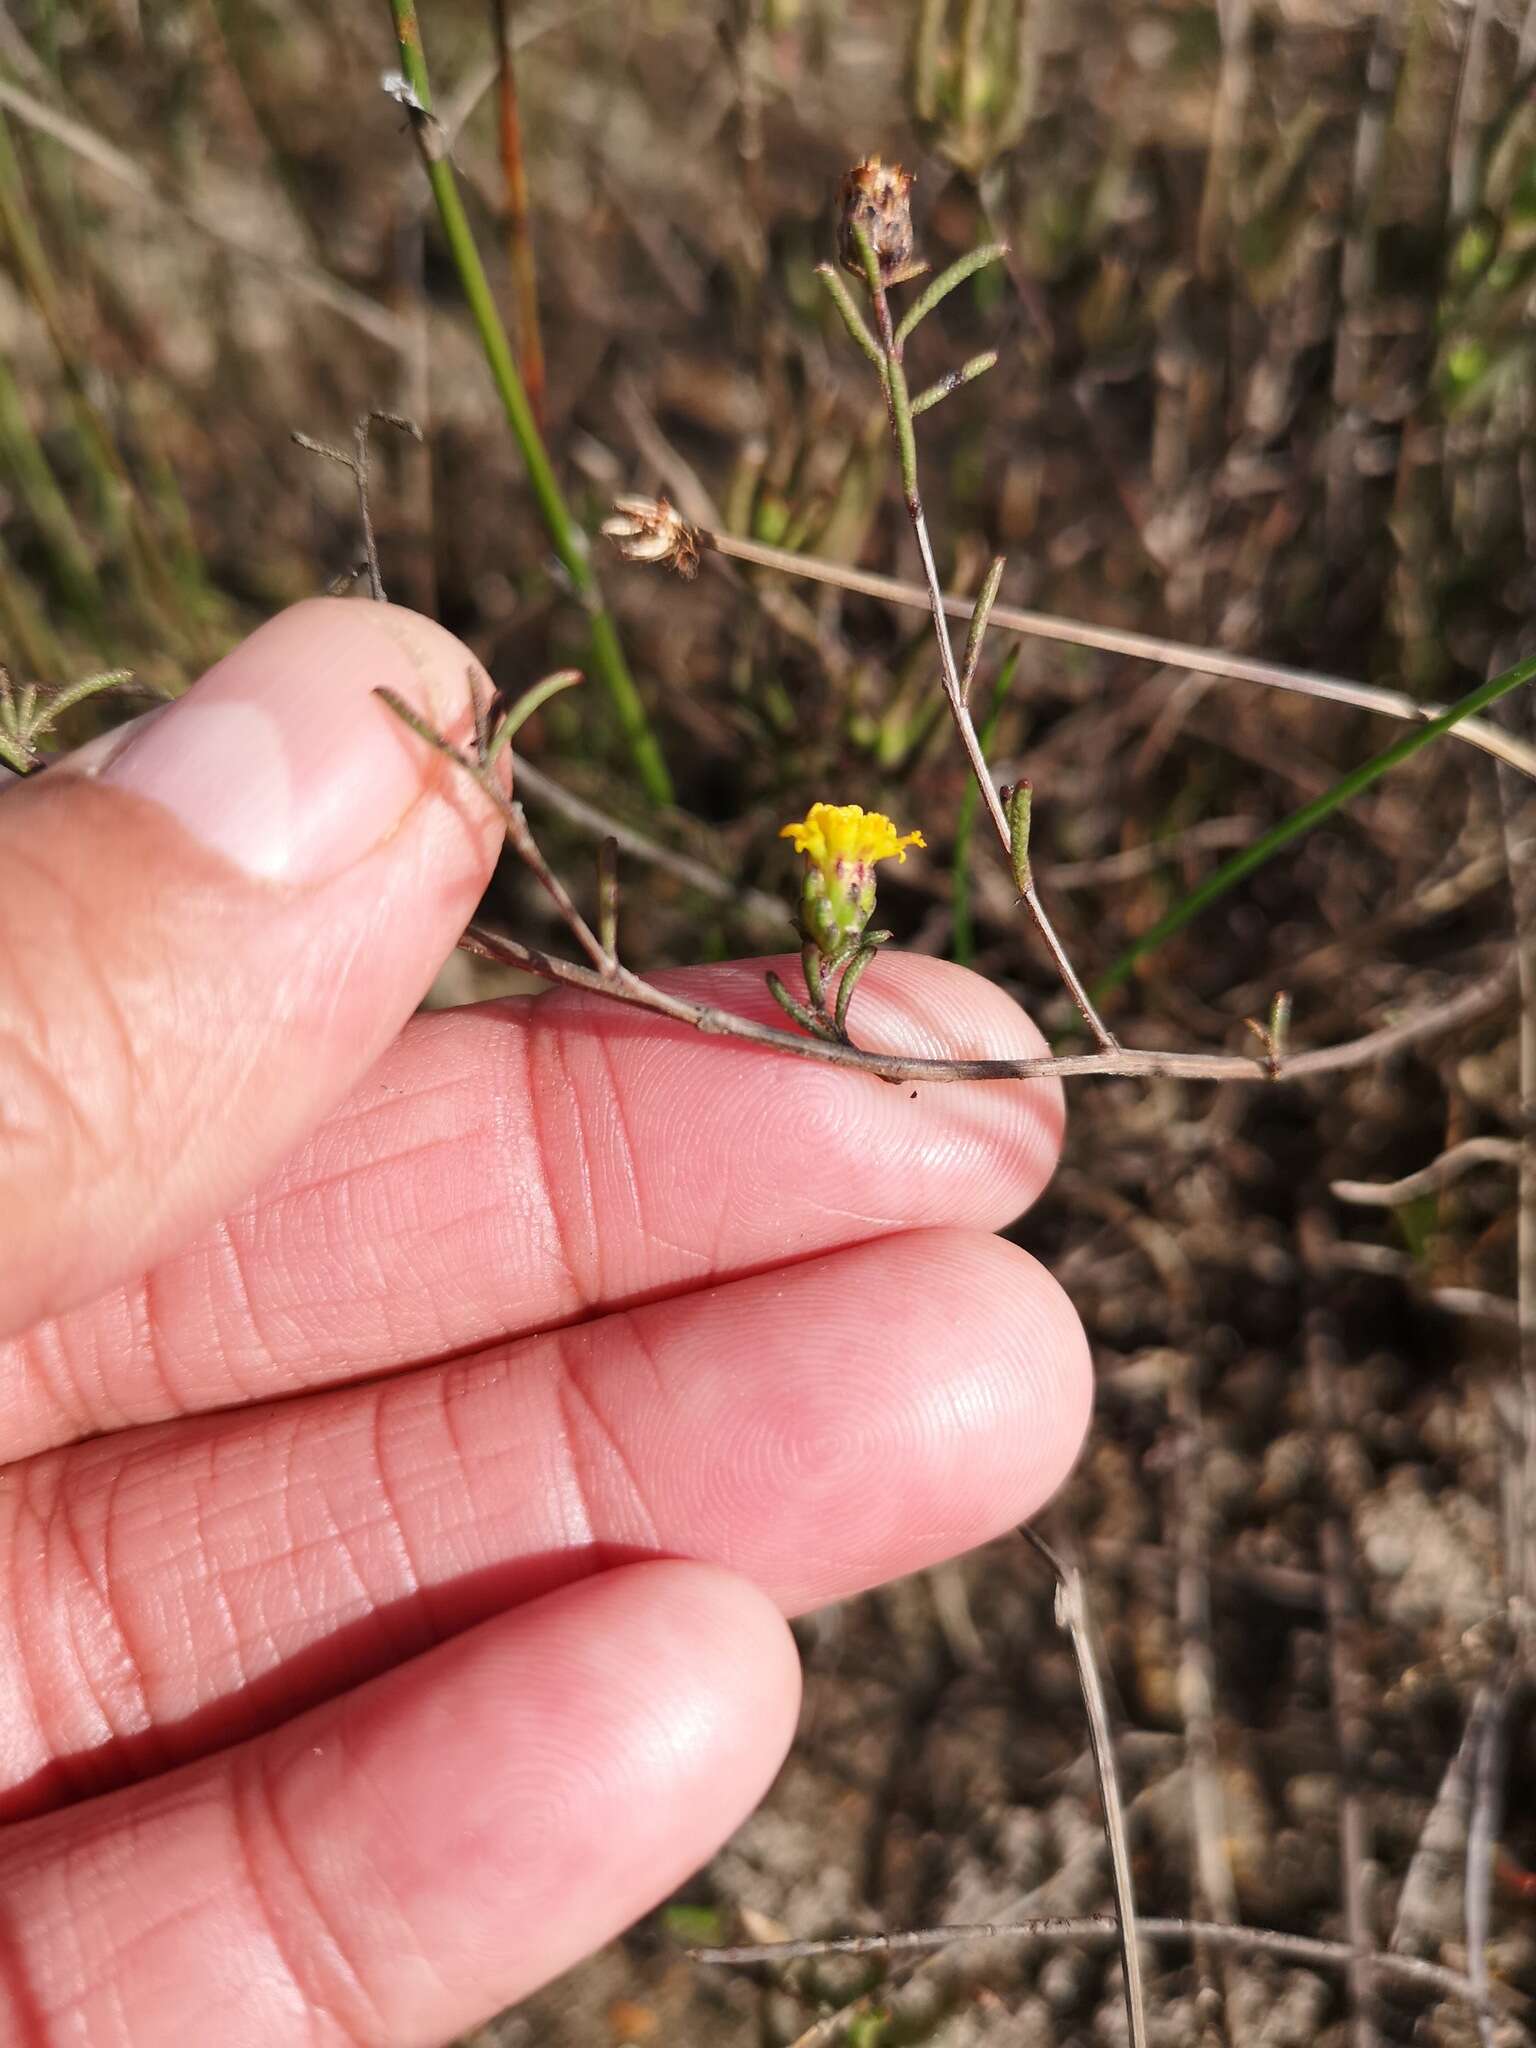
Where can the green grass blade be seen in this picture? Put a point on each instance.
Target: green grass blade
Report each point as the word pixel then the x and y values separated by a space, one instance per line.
pixel 566 536
pixel 1243 864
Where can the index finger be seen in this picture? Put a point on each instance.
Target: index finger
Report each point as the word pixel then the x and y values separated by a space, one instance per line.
pixel 518 1165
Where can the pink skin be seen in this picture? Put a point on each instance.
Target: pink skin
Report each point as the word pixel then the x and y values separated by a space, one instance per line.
pixel 353 1716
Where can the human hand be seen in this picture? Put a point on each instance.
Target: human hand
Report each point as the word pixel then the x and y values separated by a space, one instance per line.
pixel 416 1436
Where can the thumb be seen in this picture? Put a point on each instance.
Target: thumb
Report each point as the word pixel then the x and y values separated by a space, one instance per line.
pixel 210 926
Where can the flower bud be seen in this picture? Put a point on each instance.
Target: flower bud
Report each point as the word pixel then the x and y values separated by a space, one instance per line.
pixel 1017 802
pixel 840 844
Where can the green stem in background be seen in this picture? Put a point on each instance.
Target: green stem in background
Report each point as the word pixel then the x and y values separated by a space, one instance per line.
pixel 1231 872
pixel 962 944
pixel 566 536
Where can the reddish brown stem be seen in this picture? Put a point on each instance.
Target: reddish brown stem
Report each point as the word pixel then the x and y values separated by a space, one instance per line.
pixel 525 282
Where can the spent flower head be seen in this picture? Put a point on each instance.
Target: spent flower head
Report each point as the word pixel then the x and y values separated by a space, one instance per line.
pixel 651 530
pixel 877 198
pixel 840 844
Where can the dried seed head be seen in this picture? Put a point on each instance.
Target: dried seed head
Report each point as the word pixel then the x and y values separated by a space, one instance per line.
pixel 877 198
pixel 651 530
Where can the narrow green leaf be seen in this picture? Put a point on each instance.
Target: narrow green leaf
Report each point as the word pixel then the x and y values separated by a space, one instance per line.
pixel 852 318
pixel 517 715
pixel 940 287
pixel 967 373
pixel 1243 864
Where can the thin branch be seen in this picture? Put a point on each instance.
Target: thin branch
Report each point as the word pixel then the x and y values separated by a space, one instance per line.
pixel 899 407
pixel 1178 654
pixel 519 836
pixel 358 463
pixel 1518 815
pixel 1476 1000
pixel 1102 1929
pixel 1489 1713
pixel 754 904
pixel 1350 1730
pixel 1216 1886
pixel 1451 1165
pixel 1072 1615
pixel 607 976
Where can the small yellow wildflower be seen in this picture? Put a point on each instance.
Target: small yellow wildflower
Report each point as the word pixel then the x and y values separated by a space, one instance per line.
pixel 841 844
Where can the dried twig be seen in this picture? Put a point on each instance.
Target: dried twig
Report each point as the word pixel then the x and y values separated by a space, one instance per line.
pixel 1072 1615
pixel 1344 1683
pixel 1517 811
pixel 1174 654
pixel 1102 1928
pixel 1216 1888
pixel 1518 814
pixel 1489 1712
pixel 358 463
pixel 1439 1173
pixel 1127 1064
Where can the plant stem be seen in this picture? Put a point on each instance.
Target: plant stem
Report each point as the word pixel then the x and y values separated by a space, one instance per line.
pixel 566 536
pixel 962 933
pixel 1231 872
pixel 899 405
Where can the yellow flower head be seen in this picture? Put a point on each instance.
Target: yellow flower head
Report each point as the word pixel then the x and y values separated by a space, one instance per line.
pixel 833 832
pixel 841 843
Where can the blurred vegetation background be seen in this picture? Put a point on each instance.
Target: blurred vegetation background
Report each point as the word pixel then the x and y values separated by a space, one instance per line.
pixel 1266 338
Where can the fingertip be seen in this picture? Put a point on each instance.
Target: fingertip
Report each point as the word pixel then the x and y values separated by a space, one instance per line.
pixel 807 1141
pixel 231 908
pixel 1041 1354
pixel 398 1864
pixel 528 1790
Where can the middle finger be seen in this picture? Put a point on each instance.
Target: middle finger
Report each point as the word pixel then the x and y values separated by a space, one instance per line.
pixel 816 1429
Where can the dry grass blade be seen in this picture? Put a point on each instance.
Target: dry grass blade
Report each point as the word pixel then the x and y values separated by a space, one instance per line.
pixel 1177 654
pixel 1072 1615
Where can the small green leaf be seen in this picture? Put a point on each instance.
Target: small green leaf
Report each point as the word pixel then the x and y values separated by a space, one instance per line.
pixel 699 1926
pixel 940 288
